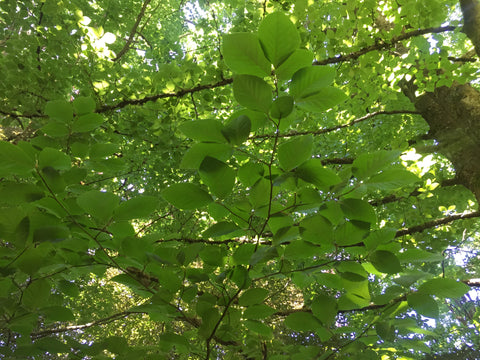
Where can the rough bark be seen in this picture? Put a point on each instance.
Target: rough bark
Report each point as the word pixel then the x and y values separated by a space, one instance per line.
pixel 453 114
pixel 471 21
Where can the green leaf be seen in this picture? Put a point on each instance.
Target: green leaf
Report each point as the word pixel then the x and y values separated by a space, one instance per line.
pixel 221 228
pixel 139 207
pixel 281 107
pixel 102 150
pixel 210 319
pixel 324 98
pixel 419 256
pixel 60 110
pixel 299 59
pixel 203 130
pixel 252 296
pixel 115 344
pixel 212 255
pixel 237 130
pixel 13 160
pixel 324 307
pixel 279 37
pixel 243 54
pixel 385 261
pixel 56 129
pixel 58 313
pixel 32 260
pixel 99 205
pixel 68 288
pixel 52 345
pixel 350 233
pixel 83 105
pixel 259 328
pixel 295 152
pixel 378 237
pixel 370 163
pixel 313 172
pixel 197 153
pixel 300 250
pixel 310 80
pixel 356 209
pixel 424 305
pixel 260 193
pixel 37 294
pixel 250 173
pixel 252 92
pixel 218 176
pixel 243 254
pixel 408 278
pixel 317 230
pixel 444 288
pixel 87 122
pixel 302 321
pixel 258 311
pixel 54 158
pixel 391 179
pixel 186 196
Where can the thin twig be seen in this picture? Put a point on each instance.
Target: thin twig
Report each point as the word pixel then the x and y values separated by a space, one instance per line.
pixel 127 45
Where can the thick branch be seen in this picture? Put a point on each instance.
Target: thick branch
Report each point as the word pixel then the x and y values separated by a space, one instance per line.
pixel 333 60
pixel 416 192
pixel 471 17
pixel 107 320
pixel 133 31
pixel 383 45
pixel 436 222
pixel 469 282
pixel 338 127
pixel 180 93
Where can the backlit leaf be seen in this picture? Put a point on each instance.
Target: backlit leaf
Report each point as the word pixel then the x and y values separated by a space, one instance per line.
pixel 253 296
pixel 203 130
pixel 300 58
pixel 294 152
pixel 252 92
pixel 279 37
pixel 219 177
pixel 444 288
pixel 309 80
pixel 99 205
pixel 237 130
pixel 424 305
pixel 243 54
pixel 385 261
pixel 136 208
pixel 302 321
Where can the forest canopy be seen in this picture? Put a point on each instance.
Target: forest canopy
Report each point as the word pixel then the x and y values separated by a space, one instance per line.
pixel 239 179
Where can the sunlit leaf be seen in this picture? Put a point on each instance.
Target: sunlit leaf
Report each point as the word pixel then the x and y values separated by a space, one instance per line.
pixel 279 37
pixel 243 54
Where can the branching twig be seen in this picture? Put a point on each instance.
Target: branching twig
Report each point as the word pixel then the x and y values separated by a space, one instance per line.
pixel 383 45
pixel 109 319
pixel 436 222
pixel 180 93
pixel 127 45
pixel 338 127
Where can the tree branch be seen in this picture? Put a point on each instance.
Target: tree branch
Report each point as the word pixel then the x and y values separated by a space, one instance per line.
pixel 180 93
pixel 436 222
pixel 127 45
pixel 384 44
pixel 338 127
pixel 337 59
pixel 109 319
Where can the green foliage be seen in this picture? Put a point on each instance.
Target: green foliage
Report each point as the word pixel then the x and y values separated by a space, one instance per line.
pixel 229 180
